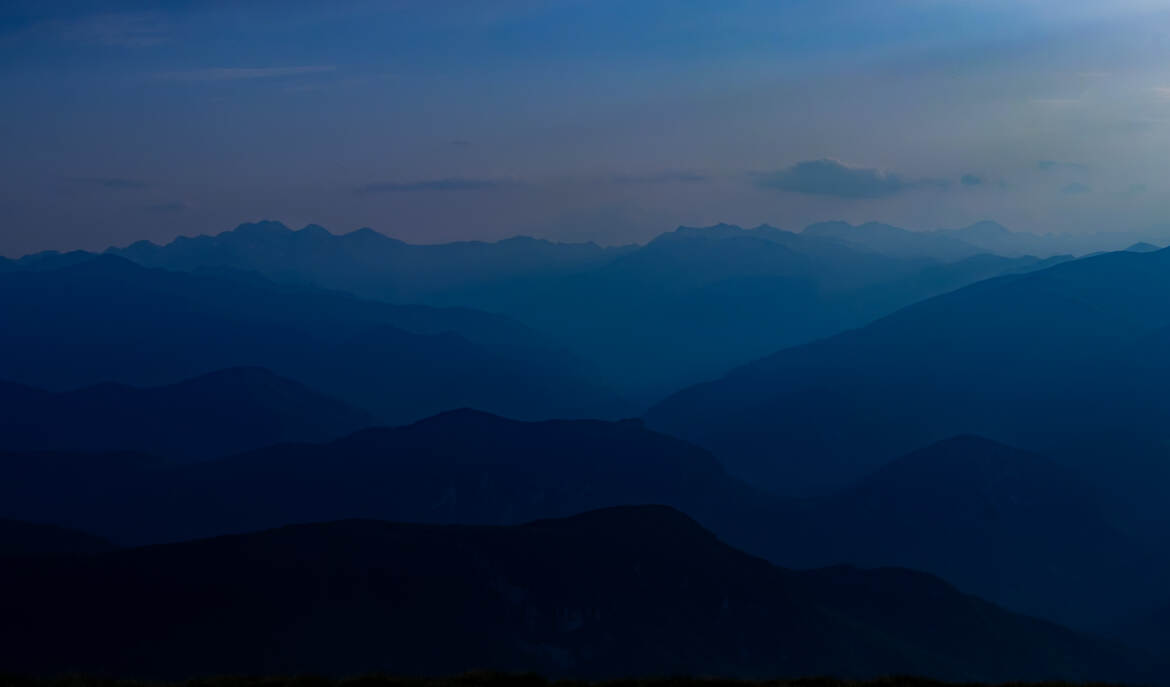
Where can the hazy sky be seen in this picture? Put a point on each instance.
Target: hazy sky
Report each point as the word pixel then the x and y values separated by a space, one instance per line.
pixel 434 120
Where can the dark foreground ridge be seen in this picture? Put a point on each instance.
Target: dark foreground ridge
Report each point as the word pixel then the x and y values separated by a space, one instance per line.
pixel 486 679
pixel 622 591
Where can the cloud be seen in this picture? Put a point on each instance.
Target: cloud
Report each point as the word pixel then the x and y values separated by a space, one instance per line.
pixel 239 73
pixel 829 177
pixel 659 178
pixel 449 184
pixel 111 182
pixel 125 30
pixel 1075 189
pixel 971 180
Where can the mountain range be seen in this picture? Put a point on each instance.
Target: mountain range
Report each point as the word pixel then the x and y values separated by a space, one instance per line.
pixel 626 591
pixel 1006 525
pixel 732 294
pixel 107 319
pixel 1066 361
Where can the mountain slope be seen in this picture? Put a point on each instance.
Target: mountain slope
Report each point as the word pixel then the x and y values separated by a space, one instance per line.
pixel 1006 525
pixel 217 414
pixel 626 591
pixel 732 294
pixel 1067 361
pixel 459 467
pixel 997 522
pixel 697 301
pixel 111 320
pixel 895 241
pixel 18 538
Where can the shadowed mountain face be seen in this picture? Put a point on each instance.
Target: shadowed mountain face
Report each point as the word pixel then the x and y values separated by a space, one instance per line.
pixel 460 467
pixel 19 538
pixel 108 319
pixel 217 414
pixel 1068 361
pixel 1006 525
pixel 1001 523
pixel 730 294
pixel 626 591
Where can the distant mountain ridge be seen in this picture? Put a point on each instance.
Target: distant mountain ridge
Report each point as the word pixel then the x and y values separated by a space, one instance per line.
pixel 1067 361
pixel 620 308
pixel 365 261
pixel 109 319
pixel 618 592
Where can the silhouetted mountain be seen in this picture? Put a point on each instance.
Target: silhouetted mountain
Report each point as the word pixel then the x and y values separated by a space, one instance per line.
pixel 19 538
pixel 366 262
pixel 895 241
pixel 1068 361
pixel 459 467
pixel 1000 523
pixel 109 319
pixel 732 294
pixel 217 414
pixel 1143 247
pixel 1005 525
pixel 626 591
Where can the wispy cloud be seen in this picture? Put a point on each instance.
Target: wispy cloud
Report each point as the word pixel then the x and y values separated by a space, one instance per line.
pixel 449 184
pixel 829 177
pixel 110 182
pixel 1076 189
pixel 124 29
pixel 239 73
pixel 971 180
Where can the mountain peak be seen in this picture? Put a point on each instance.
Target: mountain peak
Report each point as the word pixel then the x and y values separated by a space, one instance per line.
pixel 314 230
pixel 261 228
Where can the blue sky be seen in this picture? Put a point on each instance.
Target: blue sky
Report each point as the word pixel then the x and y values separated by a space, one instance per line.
pixel 578 120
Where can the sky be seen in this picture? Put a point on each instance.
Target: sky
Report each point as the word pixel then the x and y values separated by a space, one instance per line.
pixel 578 120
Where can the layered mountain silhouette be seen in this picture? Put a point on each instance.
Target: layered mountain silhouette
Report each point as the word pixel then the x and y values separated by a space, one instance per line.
pixel 460 467
pixel 1067 361
pixel 731 294
pixel 23 539
pixel 1006 525
pixel 626 591
pixel 998 522
pixel 367 262
pixel 697 301
pixel 895 241
pixel 216 414
pixel 108 319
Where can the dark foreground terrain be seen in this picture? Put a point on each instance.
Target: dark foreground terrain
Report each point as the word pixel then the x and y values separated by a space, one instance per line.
pixel 499 680
pixel 484 679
